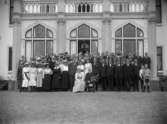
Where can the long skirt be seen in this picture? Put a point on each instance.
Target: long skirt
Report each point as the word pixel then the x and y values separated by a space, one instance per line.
pixel 79 86
pixel 56 81
pixel 46 82
pixel 65 82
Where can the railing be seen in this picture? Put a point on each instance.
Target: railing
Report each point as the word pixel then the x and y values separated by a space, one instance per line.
pixel 51 7
pixel 129 7
pixel 40 6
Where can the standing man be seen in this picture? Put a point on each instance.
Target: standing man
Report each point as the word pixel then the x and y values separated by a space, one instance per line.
pixel 103 74
pixel 147 60
pixel 72 70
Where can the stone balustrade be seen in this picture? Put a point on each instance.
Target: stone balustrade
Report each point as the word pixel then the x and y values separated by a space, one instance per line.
pixel 51 6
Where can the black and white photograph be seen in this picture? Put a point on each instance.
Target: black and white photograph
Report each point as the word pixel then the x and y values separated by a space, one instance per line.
pixel 83 61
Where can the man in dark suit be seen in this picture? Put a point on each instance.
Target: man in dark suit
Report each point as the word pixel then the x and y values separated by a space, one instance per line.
pixel 136 76
pixel 72 70
pixel 103 74
pixel 96 71
pixel 147 60
pixel 110 74
pixel 127 74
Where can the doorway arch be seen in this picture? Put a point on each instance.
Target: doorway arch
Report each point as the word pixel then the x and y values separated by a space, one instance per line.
pixel 83 39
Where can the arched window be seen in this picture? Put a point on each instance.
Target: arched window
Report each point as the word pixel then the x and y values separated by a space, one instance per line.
pixel 84 7
pixel 79 8
pixel 83 37
pixel 47 8
pixel 129 39
pixel 38 42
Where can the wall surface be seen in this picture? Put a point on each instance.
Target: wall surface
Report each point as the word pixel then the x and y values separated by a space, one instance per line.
pixel 162 33
pixel 6 39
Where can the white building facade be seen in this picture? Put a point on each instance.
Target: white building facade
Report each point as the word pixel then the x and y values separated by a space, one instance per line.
pixel 42 27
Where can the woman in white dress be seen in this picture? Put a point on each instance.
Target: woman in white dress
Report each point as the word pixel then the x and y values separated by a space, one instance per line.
pixel 88 67
pixel 25 74
pixel 33 76
pixel 40 75
pixel 79 84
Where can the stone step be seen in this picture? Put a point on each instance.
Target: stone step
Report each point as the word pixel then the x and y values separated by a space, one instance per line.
pixel 3 85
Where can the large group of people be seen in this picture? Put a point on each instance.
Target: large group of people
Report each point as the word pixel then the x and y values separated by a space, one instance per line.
pixel 81 72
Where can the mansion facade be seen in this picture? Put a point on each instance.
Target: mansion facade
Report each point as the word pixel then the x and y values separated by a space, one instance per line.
pixel 47 27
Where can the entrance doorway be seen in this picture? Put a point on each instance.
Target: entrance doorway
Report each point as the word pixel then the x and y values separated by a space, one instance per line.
pixel 83 39
pixel 83 46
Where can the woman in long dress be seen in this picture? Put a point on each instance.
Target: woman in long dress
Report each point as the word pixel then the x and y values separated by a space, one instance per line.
pixel 65 76
pixel 56 81
pixel 79 84
pixel 40 76
pixel 47 78
pixel 33 77
pixel 26 78
pixel 88 66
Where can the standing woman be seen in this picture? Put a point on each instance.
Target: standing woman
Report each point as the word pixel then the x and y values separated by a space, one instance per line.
pixel 40 76
pixel 56 80
pixel 33 77
pixel 65 75
pixel 47 78
pixel 26 78
pixel 88 66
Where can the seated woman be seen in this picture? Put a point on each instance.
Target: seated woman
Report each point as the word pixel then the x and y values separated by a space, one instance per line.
pixel 79 84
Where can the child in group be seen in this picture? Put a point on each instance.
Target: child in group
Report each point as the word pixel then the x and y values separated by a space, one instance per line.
pixel 141 77
pixel 147 76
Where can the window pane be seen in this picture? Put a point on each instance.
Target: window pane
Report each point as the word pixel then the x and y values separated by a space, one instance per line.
pixel 49 33
pixel 118 33
pixel 129 46
pixel 29 33
pixel 159 59
pixel 10 59
pixel 118 46
pixel 28 50
pixel 39 31
pixel 73 33
pixel 129 30
pixel 112 7
pixel 49 47
pixel 140 33
pixel 94 33
pixel 73 47
pixel 83 31
pixel 94 47
pixel 39 48
pixel 140 47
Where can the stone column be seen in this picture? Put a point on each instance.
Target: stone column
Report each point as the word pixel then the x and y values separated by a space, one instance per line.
pixel 61 35
pixel 106 35
pixel 152 47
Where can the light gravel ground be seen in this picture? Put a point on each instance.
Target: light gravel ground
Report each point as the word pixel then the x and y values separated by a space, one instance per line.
pixel 83 108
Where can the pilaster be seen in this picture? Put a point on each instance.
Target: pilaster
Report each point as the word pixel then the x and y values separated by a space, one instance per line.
pixel 61 35
pixel 152 47
pixel 106 35
pixel 16 40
